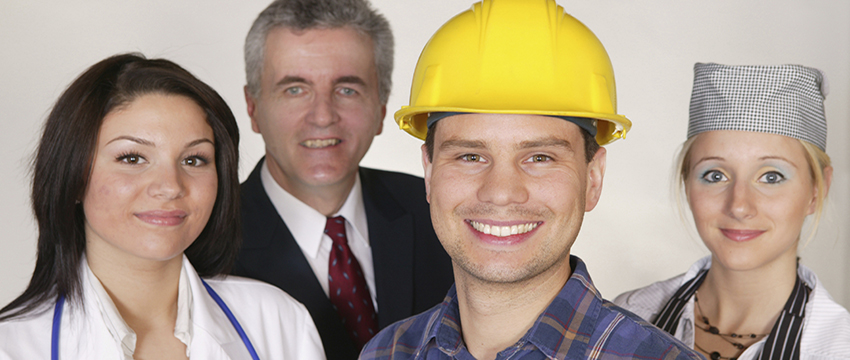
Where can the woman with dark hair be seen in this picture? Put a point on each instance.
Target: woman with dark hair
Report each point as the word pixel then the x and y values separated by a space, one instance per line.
pixel 135 192
pixel 753 169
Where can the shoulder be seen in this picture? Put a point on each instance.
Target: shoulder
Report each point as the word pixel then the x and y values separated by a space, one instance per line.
pixel 390 176
pixel 253 182
pixel 647 301
pixel 27 336
pixel 240 290
pixel 629 333
pixel 396 183
pixel 277 324
pixel 826 331
pixel 392 193
pixel 404 338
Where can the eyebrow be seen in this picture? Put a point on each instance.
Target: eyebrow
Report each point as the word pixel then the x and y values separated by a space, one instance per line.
pixel 530 144
pixel 200 141
pixel 763 158
pixel 556 142
pixel 133 139
pixel 780 158
pixel 151 144
pixel 458 143
pixel 289 79
pixel 350 79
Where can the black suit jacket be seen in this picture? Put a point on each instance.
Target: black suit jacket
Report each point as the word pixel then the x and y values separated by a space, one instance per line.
pixel 412 270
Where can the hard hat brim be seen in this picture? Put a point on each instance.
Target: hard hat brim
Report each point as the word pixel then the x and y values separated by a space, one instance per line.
pixel 413 119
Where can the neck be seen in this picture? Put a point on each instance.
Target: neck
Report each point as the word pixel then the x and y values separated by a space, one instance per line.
pixel 747 301
pixel 326 199
pixel 487 307
pixel 144 292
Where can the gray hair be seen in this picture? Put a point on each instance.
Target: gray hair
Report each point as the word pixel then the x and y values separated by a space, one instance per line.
pixel 309 14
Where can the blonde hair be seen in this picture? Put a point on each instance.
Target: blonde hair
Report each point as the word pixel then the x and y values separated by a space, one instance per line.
pixel 818 161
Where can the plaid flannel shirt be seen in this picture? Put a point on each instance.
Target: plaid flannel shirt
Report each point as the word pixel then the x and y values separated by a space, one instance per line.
pixel 577 324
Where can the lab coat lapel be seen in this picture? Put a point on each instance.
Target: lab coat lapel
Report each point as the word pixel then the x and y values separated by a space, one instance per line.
pixel 213 335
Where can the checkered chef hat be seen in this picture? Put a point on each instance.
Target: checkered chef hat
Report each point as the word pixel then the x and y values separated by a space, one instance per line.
pixel 784 99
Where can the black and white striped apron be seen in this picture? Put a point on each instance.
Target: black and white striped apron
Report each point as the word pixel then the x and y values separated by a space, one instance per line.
pixel 783 342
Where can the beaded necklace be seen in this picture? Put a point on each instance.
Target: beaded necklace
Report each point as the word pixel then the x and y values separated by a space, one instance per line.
pixel 715 355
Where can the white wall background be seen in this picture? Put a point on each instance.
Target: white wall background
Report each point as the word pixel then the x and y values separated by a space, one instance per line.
pixel 633 237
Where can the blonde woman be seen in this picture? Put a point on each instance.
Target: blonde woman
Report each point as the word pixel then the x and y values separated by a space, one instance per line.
pixel 753 169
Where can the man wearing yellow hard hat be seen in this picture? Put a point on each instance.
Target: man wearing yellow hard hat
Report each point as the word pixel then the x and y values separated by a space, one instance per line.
pixel 513 99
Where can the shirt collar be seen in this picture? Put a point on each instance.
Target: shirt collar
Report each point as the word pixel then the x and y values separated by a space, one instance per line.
pixel 565 326
pixel 118 328
pixel 306 224
pixel 354 211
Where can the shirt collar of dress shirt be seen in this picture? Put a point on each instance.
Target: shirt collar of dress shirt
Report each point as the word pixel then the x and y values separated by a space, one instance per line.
pixel 564 327
pixel 118 328
pixel 305 223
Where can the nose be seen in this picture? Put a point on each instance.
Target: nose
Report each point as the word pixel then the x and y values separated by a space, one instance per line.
pixel 503 185
pixel 323 112
pixel 740 201
pixel 167 182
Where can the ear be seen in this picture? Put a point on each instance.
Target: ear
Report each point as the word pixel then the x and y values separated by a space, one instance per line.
pixel 595 173
pixel 381 120
pixel 827 182
pixel 426 165
pixel 252 106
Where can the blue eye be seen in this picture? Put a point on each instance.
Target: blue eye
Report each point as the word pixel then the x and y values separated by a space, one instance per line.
pixel 295 90
pixel 347 91
pixel 772 177
pixel 713 176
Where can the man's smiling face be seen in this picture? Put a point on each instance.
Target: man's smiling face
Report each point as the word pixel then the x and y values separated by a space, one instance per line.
pixel 318 108
pixel 508 192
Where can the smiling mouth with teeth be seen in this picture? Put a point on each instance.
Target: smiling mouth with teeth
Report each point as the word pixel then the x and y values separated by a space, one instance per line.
pixel 502 231
pixel 320 143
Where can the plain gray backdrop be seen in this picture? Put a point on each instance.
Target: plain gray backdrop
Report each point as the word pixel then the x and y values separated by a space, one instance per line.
pixel 632 238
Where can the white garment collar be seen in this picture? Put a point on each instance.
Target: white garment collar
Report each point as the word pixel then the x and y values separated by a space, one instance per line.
pixel 807 275
pixel 118 328
pixel 308 225
pixel 686 325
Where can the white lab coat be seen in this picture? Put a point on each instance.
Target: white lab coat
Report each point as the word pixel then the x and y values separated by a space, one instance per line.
pixel 826 326
pixel 278 326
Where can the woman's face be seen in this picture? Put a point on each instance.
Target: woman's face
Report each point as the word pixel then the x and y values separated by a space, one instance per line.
pixel 153 181
pixel 749 193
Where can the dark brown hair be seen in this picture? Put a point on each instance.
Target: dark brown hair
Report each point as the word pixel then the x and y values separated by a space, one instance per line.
pixel 64 159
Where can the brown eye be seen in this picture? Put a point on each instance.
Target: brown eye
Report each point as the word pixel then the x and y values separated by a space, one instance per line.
pixel 131 159
pixel 471 157
pixel 194 161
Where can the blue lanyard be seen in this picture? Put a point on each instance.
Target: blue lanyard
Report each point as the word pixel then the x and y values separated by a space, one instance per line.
pixel 57 319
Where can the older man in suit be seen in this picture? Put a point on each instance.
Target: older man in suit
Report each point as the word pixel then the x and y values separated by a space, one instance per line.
pixel 355 245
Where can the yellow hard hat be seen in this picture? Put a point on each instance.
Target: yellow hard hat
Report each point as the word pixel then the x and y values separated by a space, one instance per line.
pixel 515 57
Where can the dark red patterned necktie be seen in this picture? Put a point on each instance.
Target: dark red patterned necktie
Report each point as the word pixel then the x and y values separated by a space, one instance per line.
pixel 347 286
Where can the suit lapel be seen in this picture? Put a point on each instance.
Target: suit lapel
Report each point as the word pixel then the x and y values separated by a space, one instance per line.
pixel 390 231
pixel 270 253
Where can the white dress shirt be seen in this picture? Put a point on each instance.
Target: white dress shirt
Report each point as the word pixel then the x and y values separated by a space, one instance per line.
pixel 826 326
pixel 278 326
pixel 308 228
